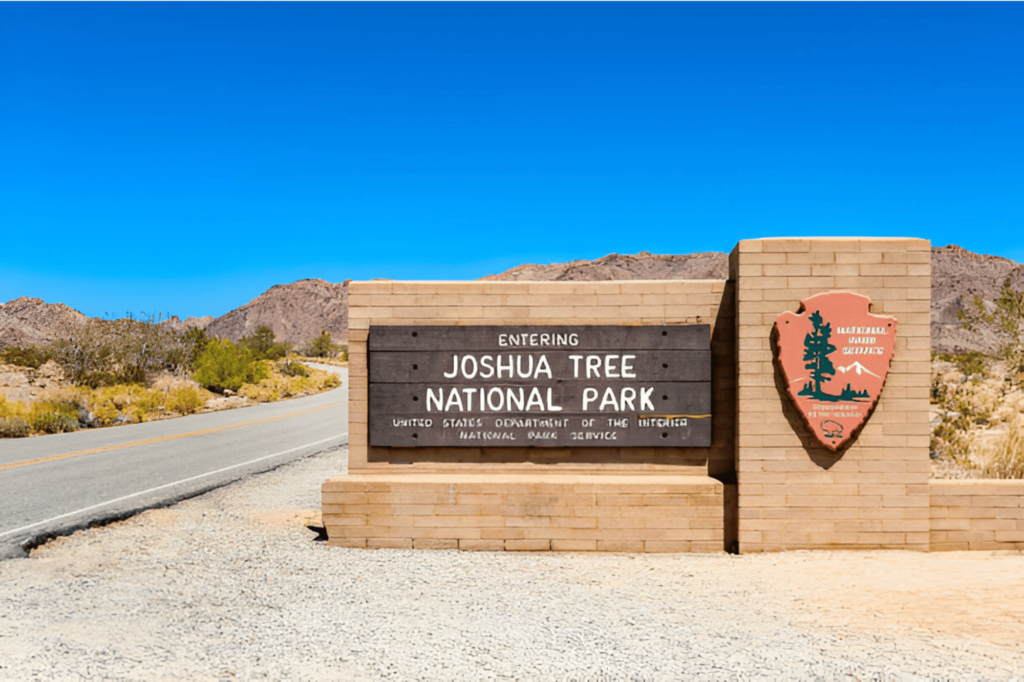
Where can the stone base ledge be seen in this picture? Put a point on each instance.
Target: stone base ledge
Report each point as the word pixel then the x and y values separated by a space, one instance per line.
pixel 525 512
pixel 977 514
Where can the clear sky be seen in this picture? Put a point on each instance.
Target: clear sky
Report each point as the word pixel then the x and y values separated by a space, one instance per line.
pixel 184 157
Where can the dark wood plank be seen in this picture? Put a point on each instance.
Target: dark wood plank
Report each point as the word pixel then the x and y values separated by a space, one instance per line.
pixel 647 365
pixel 587 337
pixel 667 398
pixel 562 431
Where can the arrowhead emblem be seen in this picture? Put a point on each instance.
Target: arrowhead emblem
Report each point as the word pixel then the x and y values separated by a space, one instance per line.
pixel 834 355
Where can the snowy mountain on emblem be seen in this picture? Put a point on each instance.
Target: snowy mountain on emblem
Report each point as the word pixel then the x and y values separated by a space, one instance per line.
pixel 858 368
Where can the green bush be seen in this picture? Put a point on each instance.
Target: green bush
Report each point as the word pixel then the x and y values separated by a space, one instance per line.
pixel 264 345
pixel 293 369
pixel 54 422
pixel 969 363
pixel 185 401
pixel 105 414
pixel 14 427
pixel 28 356
pixel 322 346
pixel 225 366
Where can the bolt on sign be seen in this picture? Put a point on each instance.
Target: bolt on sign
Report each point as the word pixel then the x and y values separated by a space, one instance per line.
pixel 540 386
pixel 834 355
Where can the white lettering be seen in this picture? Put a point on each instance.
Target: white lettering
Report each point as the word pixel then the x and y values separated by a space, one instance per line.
pixel 628 396
pixel 455 368
pixel 505 368
pixel 609 399
pixel 490 399
pixel 645 398
pixel 518 400
pixel 535 399
pixel 435 400
pixel 453 399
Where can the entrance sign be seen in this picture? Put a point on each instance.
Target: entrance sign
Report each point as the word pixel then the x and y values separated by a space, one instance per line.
pixel 835 355
pixel 540 386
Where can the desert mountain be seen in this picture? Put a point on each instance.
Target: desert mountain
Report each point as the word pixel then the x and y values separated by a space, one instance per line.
pixel 959 275
pixel 296 312
pixel 31 321
pixel 179 325
pixel 643 265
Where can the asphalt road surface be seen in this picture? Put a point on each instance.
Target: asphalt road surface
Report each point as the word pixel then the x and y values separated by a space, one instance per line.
pixel 52 485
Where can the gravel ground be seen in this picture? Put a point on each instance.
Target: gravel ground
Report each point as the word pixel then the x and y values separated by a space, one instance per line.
pixel 233 585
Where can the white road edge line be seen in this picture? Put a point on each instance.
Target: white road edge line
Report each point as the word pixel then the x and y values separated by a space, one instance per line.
pixel 168 485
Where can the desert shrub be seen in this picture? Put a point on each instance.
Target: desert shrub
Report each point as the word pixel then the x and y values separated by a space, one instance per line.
pixel 137 414
pixel 327 380
pixel 184 349
pixel 185 401
pixel 149 401
pixel 12 408
pixel 264 392
pixel 969 363
pixel 1005 459
pixel 54 422
pixel 14 427
pixel 105 414
pixel 1006 319
pixel 293 369
pixel 225 366
pixel 281 385
pixel 129 350
pixel 321 346
pixel 264 345
pixel 25 356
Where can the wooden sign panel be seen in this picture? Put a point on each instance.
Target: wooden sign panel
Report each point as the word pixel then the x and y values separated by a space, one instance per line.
pixel 540 386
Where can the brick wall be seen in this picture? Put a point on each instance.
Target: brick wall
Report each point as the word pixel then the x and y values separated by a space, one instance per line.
pixel 977 514
pixel 793 493
pixel 484 303
pixel 536 512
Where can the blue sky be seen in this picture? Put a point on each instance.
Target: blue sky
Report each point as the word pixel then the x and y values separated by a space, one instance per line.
pixel 184 157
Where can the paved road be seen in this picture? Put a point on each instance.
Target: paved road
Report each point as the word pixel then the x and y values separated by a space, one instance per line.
pixel 54 484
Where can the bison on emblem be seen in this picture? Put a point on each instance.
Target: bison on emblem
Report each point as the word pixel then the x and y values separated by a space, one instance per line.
pixel 834 355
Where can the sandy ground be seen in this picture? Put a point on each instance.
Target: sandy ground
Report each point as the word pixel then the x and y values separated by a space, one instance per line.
pixel 233 584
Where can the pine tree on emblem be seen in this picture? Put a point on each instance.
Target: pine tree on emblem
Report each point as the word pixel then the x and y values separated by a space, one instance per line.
pixel 816 351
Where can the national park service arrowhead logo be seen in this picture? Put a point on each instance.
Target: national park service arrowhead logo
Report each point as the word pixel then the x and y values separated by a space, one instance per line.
pixel 834 355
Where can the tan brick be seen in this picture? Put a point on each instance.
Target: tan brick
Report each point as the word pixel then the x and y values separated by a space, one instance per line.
pixel 435 543
pixel 389 543
pixel 527 545
pixel 574 545
pixel 482 545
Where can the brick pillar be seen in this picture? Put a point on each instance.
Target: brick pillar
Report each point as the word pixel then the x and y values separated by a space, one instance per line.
pixel 793 493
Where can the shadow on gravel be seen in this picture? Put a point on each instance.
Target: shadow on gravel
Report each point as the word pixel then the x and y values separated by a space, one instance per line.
pixel 321 533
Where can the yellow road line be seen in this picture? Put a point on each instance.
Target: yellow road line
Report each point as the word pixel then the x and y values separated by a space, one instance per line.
pixel 108 448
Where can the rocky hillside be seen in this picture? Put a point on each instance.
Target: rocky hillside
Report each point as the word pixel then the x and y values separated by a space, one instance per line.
pixel 31 321
pixel 615 266
pixel 958 276
pixel 179 325
pixel 296 312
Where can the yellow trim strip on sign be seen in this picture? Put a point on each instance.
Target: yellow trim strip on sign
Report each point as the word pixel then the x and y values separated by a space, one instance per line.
pixel 161 439
pixel 674 416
